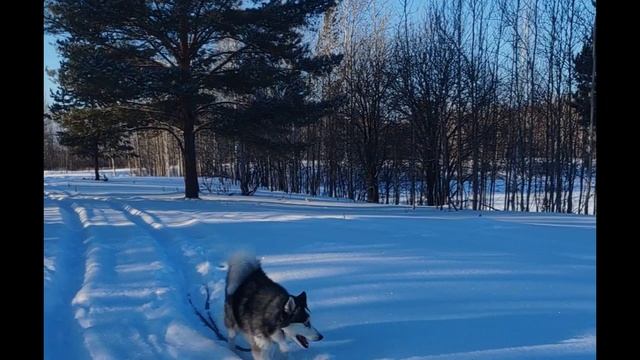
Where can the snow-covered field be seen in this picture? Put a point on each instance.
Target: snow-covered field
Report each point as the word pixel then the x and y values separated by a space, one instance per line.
pixel 383 282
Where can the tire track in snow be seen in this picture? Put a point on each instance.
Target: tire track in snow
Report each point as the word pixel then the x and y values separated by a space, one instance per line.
pixel 116 312
pixel 160 240
pixel 61 326
pixel 130 301
pixel 176 252
pixel 188 256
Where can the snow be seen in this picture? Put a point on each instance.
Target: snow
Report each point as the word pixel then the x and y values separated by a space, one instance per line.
pixel 383 282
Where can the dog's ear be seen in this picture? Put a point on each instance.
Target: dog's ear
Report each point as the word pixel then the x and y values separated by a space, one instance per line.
pixel 303 298
pixel 290 306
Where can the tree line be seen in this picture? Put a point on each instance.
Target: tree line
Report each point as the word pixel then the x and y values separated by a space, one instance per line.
pixel 479 104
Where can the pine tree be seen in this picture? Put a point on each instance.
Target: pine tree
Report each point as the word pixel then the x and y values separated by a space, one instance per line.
pixel 583 102
pixel 94 134
pixel 583 67
pixel 178 61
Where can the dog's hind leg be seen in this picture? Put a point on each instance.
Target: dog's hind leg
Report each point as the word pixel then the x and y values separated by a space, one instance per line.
pixel 231 325
pixel 232 333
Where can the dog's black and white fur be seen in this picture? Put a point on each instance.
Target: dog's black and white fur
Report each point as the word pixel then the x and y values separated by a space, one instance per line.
pixel 263 310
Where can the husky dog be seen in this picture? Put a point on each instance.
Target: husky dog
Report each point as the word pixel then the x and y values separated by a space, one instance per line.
pixel 263 310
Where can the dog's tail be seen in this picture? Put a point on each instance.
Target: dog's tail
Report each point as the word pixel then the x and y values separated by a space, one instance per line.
pixel 241 265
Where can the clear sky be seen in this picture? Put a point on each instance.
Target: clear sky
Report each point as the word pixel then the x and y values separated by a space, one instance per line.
pixel 52 61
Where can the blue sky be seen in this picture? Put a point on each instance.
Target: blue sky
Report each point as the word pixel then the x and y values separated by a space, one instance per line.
pixel 52 61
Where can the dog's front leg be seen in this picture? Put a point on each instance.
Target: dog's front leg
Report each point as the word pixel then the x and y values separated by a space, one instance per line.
pixel 260 347
pixel 256 352
pixel 279 338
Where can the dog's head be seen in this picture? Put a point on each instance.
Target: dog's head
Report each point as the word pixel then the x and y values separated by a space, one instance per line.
pixel 298 318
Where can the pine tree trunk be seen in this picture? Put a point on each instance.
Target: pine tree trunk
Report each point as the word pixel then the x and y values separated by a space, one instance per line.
pixel 96 164
pixel 372 186
pixel 191 172
pixel 430 177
